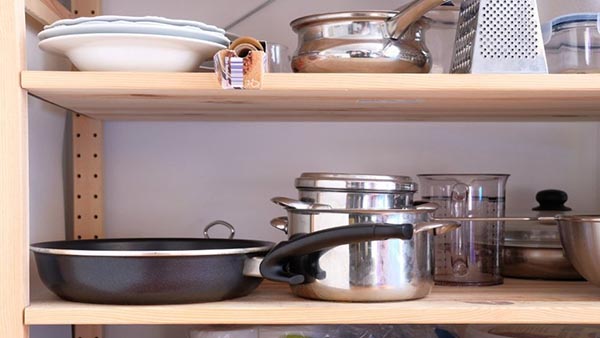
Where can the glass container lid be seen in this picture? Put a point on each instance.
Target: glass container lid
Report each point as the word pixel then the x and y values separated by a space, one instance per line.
pixel 570 21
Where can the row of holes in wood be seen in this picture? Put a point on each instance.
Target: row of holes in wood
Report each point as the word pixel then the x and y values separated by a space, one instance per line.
pixel 80 175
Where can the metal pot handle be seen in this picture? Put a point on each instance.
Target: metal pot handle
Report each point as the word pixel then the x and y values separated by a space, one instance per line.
pixel 303 250
pixel 219 222
pixel 399 23
pixel 280 223
pixel 436 227
pixel 290 203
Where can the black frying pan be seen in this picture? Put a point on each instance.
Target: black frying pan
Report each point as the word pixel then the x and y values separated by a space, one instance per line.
pixel 186 270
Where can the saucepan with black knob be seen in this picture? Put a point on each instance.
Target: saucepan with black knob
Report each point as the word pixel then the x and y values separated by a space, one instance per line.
pixel 189 270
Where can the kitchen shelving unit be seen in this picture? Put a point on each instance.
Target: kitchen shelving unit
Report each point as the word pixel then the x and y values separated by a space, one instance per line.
pixel 285 97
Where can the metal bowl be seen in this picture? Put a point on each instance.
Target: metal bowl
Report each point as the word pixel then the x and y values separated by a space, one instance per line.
pixel 580 237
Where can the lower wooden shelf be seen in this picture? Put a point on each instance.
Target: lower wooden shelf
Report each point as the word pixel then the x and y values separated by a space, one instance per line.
pixel 515 302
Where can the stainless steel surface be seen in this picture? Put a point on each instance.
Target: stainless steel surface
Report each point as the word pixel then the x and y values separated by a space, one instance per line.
pixel 356 182
pixel 356 191
pixel 299 205
pixel 498 36
pixel 537 263
pixel 548 220
pixel 280 223
pixel 388 270
pixel 219 222
pixel 252 267
pixel 580 237
pixel 359 42
pixel 399 23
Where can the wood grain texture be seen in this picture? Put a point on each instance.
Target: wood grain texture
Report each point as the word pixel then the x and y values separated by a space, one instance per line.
pixel 323 97
pixel 515 302
pixel 86 7
pixel 87 179
pixel 46 11
pixel 14 179
pixel 87 173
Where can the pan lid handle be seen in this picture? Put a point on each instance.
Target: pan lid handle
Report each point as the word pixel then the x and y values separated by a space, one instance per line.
pixel 220 222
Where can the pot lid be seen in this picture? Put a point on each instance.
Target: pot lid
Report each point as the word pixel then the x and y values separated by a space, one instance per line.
pixel 532 235
pixel 356 182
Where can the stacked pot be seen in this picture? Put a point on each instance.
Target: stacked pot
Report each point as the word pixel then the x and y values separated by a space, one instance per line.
pixel 363 270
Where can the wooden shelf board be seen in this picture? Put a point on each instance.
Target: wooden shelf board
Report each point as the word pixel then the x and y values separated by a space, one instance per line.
pixel 47 11
pixel 323 97
pixel 515 302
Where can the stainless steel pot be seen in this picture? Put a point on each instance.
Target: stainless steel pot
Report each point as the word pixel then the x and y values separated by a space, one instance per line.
pixel 364 41
pixel 356 191
pixel 367 271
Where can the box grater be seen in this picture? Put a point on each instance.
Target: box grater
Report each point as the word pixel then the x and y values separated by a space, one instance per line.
pixel 499 36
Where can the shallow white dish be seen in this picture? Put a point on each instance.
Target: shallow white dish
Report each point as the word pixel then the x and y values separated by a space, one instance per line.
pixel 131 52
pixel 157 19
pixel 126 27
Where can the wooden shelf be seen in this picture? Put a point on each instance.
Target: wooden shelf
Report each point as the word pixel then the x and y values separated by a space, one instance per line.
pixel 515 302
pixel 323 97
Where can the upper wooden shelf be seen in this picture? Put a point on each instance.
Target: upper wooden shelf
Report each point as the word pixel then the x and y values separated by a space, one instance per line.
pixel 515 302
pixel 323 97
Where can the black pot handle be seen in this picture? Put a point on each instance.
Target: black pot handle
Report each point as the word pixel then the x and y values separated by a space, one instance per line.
pixel 275 264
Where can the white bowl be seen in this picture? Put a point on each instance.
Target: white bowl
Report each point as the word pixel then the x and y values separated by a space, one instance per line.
pixel 132 52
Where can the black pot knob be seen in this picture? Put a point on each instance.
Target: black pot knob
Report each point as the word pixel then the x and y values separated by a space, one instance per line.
pixel 551 200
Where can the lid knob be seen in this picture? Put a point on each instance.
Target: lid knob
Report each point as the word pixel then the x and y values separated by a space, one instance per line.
pixel 551 200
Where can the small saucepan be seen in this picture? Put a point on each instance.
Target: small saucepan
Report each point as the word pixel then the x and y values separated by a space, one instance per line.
pixel 364 41
pixel 185 270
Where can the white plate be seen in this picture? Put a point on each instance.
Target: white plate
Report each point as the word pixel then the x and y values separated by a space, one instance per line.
pixel 157 19
pixel 131 52
pixel 125 27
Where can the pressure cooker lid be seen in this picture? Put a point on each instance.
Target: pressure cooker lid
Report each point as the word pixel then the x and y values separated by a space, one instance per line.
pixel 356 182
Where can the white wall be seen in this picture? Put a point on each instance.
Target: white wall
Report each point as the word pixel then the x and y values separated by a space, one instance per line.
pixel 171 178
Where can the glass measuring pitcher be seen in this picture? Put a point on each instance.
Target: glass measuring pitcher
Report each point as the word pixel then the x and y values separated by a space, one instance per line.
pixel 470 255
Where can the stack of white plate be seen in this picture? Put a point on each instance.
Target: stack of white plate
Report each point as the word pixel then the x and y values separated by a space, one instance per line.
pixel 124 43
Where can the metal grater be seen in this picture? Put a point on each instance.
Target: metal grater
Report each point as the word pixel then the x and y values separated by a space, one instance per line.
pixel 499 36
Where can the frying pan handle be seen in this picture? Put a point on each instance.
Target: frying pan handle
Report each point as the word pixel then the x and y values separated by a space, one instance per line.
pixel 276 264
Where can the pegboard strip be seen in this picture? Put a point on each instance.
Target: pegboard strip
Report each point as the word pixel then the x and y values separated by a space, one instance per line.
pixel 88 206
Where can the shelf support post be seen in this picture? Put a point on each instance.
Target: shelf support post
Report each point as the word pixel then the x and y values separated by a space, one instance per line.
pixel 14 173
pixel 87 173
